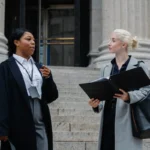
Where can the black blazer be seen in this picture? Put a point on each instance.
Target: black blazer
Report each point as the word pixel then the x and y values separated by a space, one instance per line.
pixel 16 120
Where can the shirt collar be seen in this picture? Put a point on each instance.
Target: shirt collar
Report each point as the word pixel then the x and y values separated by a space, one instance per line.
pixel 22 60
pixel 113 61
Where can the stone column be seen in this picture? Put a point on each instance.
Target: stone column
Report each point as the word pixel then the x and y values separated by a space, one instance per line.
pixel 132 15
pixel 3 40
pixel 95 28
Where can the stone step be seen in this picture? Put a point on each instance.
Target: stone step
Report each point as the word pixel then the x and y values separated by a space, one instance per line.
pixel 72 112
pixel 75 125
pixel 74 89
pixel 69 84
pixel 73 80
pixel 70 90
pixel 64 70
pixel 75 136
pixel 73 94
pixel 73 75
pixel 72 98
pixel 75 119
pixel 75 145
pixel 92 127
pixel 65 126
pixel 70 105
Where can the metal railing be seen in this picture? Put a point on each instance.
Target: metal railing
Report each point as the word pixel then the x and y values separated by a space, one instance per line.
pixel 58 41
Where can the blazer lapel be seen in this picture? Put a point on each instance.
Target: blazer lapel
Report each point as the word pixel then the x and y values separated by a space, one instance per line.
pixel 132 63
pixel 18 77
pixel 38 67
pixel 107 70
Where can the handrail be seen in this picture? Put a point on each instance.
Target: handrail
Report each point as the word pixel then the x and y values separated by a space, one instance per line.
pixel 60 38
pixel 58 43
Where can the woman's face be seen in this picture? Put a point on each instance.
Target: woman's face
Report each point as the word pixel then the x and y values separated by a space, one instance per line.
pixel 25 46
pixel 116 45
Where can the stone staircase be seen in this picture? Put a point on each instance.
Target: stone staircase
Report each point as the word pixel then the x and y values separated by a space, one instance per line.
pixel 75 125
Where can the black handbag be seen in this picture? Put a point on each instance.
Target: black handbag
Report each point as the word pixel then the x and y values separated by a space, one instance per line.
pixel 140 118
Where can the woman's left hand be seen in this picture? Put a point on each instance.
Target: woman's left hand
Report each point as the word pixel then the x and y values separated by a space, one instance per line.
pixel 124 96
pixel 45 71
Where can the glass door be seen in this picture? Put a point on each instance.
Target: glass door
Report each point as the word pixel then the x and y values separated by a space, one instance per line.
pixel 57 36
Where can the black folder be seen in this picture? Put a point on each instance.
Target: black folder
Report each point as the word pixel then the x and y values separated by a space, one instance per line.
pixel 105 88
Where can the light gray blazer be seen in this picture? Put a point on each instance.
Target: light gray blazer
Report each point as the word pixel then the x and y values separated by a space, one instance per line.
pixel 123 131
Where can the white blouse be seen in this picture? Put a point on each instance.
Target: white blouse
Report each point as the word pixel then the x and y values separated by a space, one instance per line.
pixel 29 65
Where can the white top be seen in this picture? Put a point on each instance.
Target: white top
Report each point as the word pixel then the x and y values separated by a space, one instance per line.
pixel 37 78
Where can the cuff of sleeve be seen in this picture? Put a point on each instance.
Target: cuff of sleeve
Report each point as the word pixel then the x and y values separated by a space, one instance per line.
pixel 48 76
pixel 127 101
pixel 96 109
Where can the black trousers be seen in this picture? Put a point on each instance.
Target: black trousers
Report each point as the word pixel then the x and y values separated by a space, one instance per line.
pixel 108 133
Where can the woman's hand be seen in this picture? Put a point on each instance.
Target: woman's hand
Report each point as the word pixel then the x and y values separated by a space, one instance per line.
pixel 3 138
pixel 124 96
pixel 94 102
pixel 45 71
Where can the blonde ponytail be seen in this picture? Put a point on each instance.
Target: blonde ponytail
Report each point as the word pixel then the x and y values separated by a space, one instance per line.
pixel 134 42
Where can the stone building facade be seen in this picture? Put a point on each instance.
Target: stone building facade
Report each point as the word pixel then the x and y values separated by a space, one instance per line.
pixel 105 16
pixel 75 125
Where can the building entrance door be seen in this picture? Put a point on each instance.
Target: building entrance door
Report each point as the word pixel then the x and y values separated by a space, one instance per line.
pixel 57 36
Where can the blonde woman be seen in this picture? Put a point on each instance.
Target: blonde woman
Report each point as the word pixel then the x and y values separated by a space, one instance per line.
pixel 115 128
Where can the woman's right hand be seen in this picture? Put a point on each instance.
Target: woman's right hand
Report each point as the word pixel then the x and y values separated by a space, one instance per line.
pixel 94 102
pixel 3 138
